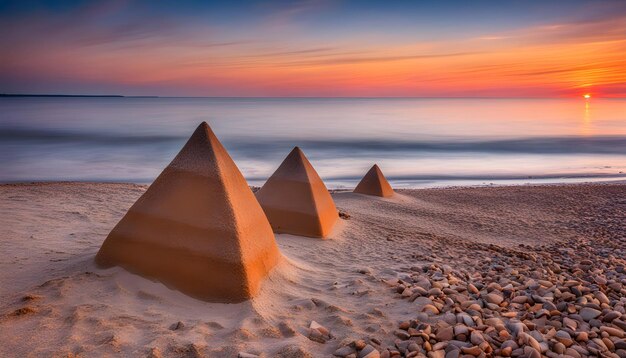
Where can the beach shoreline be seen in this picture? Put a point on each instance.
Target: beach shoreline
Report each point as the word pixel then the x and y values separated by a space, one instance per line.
pixel 448 183
pixel 364 283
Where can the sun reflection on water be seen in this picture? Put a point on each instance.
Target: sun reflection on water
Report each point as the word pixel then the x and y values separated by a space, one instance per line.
pixel 586 125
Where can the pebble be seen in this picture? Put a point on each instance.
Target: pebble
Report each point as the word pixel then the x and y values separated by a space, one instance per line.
pixel 319 327
pixel 372 354
pixel 570 323
pixel 559 348
pixel 582 337
pixel 437 354
pixel 369 352
pixel 531 352
pixel 572 353
pixel 461 331
pixel 494 298
pixel 316 336
pixel 445 333
pixel 530 340
pixel 430 309
pixel 318 333
pixel 435 292
pixel 618 322
pixel 615 332
pixel 344 351
pixel 610 316
pixel 516 328
pixel 176 326
pixel 588 313
pixel 404 335
pixel 476 338
pixel 475 350
pixel 466 319
pixel 564 338
pixel 472 289
pixel 601 297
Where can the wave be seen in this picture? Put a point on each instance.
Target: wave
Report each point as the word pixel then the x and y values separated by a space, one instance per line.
pixel 267 146
pixel 69 137
pixel 542 145
pixel 479 177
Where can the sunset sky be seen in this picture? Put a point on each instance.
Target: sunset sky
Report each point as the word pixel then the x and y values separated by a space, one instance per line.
pixel 315 48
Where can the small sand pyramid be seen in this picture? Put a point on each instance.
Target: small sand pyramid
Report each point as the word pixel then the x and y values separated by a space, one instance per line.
pixel 198 228
pixel 296 200
pixel 374 183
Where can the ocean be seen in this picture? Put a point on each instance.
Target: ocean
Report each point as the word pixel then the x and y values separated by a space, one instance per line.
pixel 417 142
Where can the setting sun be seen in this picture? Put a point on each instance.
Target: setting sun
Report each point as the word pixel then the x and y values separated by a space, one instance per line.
pixel 587 96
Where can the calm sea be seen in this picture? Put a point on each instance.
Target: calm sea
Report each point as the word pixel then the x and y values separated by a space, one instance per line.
pixel 417 142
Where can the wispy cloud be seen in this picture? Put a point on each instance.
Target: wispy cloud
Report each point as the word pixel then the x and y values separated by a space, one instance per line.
pixel 375 59
pixel 610 28
pixel 284 14
pixel 292 48
pixel 492 38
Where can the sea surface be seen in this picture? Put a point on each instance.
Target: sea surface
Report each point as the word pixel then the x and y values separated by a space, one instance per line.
pixel 416 142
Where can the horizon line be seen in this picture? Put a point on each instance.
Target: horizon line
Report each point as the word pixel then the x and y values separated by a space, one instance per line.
pixel 285 97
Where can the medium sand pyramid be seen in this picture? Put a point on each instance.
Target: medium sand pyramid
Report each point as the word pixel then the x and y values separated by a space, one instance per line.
pixel 296 200
pixel 198 228
pixel 374 183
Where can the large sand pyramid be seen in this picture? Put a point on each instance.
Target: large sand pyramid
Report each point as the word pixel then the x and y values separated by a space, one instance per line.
pixel 296 200
pixel 374 183
pixel 198 228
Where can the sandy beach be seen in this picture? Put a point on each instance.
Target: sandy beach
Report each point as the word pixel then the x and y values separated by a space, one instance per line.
pixel 510 271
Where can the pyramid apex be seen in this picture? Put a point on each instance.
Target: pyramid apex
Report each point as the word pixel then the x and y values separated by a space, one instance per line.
pixel 202 152
pixel 203 129
pixel 296 155
pixel 297 149
pixel 374 183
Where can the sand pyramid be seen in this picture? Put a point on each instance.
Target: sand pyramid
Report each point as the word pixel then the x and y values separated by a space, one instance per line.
pixel 198 228
pixel 296 200
pixel 374 183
